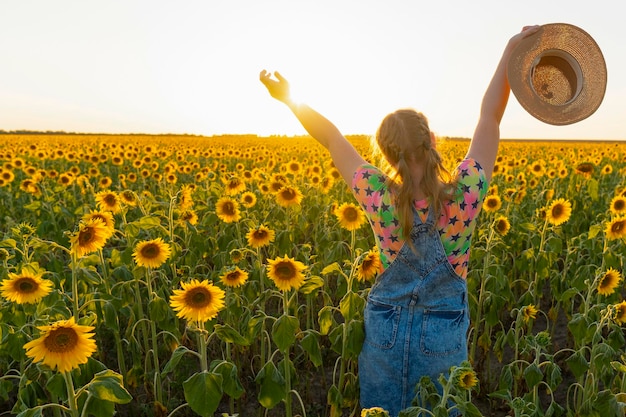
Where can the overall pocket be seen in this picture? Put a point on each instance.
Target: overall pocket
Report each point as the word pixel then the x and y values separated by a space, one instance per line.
pixel 381 324
pixel 443 332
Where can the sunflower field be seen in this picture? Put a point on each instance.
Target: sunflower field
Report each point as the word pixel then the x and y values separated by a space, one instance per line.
pixel 185 275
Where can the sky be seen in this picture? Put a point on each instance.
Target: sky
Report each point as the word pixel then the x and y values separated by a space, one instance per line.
pixel 192 66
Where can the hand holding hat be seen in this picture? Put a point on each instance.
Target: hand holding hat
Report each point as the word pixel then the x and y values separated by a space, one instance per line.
pixel 558 74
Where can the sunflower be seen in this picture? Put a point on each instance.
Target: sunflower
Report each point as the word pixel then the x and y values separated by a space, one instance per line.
pixel 109 200
pixel 152 253
pixel 288 196
pixel 529 312
pixel 616 228
pixel 370 266
pixel 63 345
pixel 585 169
pixel 492 203
pixel 234 186
pixel 620 312
pixel 286 273
pixel 197 301
pixel 248 199
pixel 90 237
pixel 189 216
pixel 618 205
pixel 105 216
pixel 186 198
pixel 502 225
pixel 559 212
pixel 374 412
pixel 234 278
pixel 129 198
pixel 350 216
pixel 227 210
pixel 609 282
pixel 464 377
pixel 25 288
pixel 259 237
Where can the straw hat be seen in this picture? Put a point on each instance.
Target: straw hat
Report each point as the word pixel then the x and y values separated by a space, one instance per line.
pixel 558 74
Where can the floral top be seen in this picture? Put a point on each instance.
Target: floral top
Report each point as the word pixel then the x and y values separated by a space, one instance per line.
pixel 456 222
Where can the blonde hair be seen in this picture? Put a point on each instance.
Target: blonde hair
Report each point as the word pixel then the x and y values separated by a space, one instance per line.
pixel 404 138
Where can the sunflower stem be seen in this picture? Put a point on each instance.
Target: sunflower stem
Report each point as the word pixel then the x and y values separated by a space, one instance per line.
pixel 71 395
pixel 74 286
pixel 155 346
pixel 202 342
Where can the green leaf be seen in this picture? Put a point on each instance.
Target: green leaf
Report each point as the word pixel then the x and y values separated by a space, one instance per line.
pixel 311 345
pixel 31 412
pixel 203 392
pixel 284 331
pixel 230 335
pixel 159 310
pixel 351 306
pixel 271 386
pixel 109 386
pixel 311 284
pixel 533 375
pixel 175 359
pixel 334 267
pixel 355 338
pixel 577 364
pixel 592 188
pixel 230 379
pixel 325 319
pixel 594 230
pixel 606 404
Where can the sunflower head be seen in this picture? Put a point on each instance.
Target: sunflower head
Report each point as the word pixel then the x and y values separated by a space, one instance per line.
pixel 26 287
pixel 350 216
pixel 616 228
pixel 90 237
pixel 152 253
pixel 529 312
pixel 227 209
pixel 619 314
pixel 502 225
pixel 374 412
pixel 63 346
pixel 109 201
pixel 197 301
pixel 234 278
pixel 288 196
pixel 609 281
pixel 260 237
pixel 463 377
pixel 618 205
pixel 492 203
pixel 286 273
pixel 559 212
pixel 370 266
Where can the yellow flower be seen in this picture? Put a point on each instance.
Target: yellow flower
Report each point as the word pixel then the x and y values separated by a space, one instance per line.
pixel 189 216
pixel 618 205
pixel 25 288
pixel 109 200
pixel 227 210
pixel 529 312
pixel 129 198
pixel 466 378
pixel 105 216
pixel 620 312
pixel 585 169
pixel 609 282
pixel 286 273
pixel 234 278
pixel 90 237
pixel 234 186
pixel 374 412
pixel 616 228
pixel 559 212
pixel 492 203
pixel 288 196
pixel 197 301
pixel 370 266
pixel 248 199
pixel 502 225
pixel 350 216
pixel 151 253
pixel 259 237
pixel 63 345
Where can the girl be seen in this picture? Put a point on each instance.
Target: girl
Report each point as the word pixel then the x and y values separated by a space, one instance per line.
pixel 416 316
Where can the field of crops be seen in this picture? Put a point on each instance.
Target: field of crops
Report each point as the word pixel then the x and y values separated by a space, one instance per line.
pixel 183 276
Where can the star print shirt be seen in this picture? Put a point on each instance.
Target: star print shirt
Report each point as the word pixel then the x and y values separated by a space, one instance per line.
pixel 456 222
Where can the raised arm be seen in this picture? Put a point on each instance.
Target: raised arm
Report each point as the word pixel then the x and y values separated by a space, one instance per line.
pixel 484 145
pixel 344 155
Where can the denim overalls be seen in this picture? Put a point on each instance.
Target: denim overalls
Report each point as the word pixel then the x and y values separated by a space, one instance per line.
pixel 416 322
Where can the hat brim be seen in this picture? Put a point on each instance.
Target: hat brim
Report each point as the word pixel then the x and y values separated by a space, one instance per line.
pixel 565 102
